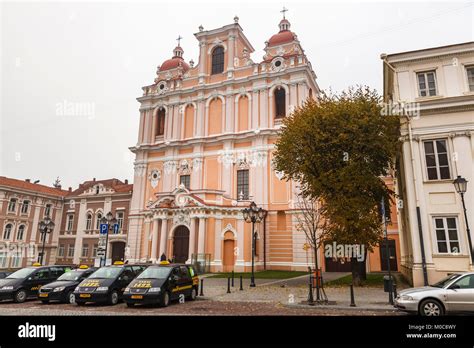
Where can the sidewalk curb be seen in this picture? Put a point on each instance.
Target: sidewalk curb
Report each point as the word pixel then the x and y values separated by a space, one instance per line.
pixel 375 309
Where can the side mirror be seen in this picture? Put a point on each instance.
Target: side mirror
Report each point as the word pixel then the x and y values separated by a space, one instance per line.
pixel 454 287
pixel 30 278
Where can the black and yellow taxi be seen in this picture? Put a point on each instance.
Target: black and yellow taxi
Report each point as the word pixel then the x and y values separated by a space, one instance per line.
pixel 106 285
pixel 162 283
pixel 26 282
pixel 62 289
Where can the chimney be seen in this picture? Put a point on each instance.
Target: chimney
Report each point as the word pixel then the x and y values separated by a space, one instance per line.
pixel 126 181
pixel 93 179
pixel 70 189
pixel 27 180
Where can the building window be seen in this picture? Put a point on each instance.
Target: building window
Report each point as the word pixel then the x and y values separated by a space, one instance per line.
pixel 7 232
pixel 47 210
pixel 243 184
pixel 25 207
pixel 85 250
pixel 94 250
pixel 470 77
pixel 160 122
pixel 436 154
pixel 426 83
pixel 70 222
pixel 447 235
pixel 97 221
pixel 70 251
pixel 217 60
pixel 185 180
pixel 89 221
pixel 20 233
pixel 12 205
pixel 3 259
pixel 61 250
pixel 120 221
pixel 16 259
pixel 280 102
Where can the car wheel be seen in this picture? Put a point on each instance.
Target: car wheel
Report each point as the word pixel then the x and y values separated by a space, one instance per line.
pixel 45 301
pixel 431 308
pixel 165 301
pixel 130 305
pixel 20 296
pixel 114 298
pixel 70 297
pixel 193 295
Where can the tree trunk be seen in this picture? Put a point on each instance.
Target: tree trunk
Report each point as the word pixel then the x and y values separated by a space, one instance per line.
pixel 358 271
pixel 315 251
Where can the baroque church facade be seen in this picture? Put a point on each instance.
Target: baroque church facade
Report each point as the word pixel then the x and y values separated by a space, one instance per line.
pixel 204 152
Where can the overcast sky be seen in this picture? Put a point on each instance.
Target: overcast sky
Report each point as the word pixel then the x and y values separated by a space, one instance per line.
pixel 98 55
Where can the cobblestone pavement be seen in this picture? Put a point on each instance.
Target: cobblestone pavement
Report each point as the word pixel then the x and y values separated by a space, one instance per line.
pixel 200 308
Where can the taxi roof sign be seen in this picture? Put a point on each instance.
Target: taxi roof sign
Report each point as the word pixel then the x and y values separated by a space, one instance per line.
pixel 118 263
pixel 83 267
pixel 164 262
pixel 36 264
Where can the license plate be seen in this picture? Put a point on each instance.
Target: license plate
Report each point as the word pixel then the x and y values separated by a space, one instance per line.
pixel 85 295
pixel 137 297
pixel 43 295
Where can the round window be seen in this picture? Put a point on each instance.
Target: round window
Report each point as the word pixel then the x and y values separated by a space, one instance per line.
pixel 162 86
pixel 278 63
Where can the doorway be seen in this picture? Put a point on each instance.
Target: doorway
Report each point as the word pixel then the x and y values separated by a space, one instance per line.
pixel 181 244
pixel 118 251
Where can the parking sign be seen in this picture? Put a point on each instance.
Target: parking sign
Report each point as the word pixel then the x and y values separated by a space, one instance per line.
pixel 104 228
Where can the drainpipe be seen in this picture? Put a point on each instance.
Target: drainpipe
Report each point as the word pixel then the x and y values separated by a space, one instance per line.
pixel 412 159
pixel 265 242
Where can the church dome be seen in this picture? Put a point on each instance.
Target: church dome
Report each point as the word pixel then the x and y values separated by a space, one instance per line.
pixel 176 61
pixel 284 36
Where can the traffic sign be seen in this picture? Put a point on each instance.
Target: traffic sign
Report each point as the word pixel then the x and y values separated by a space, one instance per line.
pixel 116 228
pixel 104 228
pixel 100 253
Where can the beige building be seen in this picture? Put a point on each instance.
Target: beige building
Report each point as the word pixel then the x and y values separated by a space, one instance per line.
pixel 23 205
pixel 435 89
pixel 78 236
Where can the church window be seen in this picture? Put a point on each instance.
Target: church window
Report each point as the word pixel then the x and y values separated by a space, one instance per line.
pixel 217 60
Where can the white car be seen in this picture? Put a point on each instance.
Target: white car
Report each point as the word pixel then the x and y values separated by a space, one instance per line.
pixel 453 294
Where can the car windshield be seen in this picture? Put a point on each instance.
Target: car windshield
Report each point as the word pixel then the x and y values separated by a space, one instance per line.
pixel 155 273
pixel 442 283
pixel 106 273
pixel 71 275
pixel 22 273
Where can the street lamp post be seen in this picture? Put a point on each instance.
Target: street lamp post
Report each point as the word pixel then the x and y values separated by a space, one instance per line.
pixel 254 215
pixel 45 226
pixel 460 184
pixel 110 221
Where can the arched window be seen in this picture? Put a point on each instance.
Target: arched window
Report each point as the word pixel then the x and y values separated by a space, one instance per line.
pixel 20 233
pixel 7 232
pixel 25 207
pixel 97 222
pixel 217 60
pixel 88 221
pixel 280 102
pixel 160 122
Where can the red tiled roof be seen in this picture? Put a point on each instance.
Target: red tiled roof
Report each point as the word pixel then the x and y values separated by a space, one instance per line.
pixel 29 186
pixel 282 37
pixel 115 184
pixel 174 63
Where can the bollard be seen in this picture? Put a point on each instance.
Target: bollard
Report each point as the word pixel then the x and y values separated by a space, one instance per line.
pixel 352 296
pixel 201 292
pixel 232 278
pixel 241 284
pixel 228 285
pixel 310 293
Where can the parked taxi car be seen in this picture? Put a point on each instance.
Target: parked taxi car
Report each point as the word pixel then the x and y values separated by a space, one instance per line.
pixel 160 284
pixel 106 285
pixel 26 282
pixel 62 289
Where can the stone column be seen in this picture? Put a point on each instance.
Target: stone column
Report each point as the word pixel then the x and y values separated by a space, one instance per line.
pixel 163 239
pixel 146 240
pixel 202 235
pixel 154 241
pixel 192 240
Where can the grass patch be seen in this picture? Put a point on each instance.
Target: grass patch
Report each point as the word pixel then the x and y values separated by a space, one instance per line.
pixel 261 274
pixel 373 280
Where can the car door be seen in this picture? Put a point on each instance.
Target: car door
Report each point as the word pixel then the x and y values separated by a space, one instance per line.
pixel 460 294
pixel 185 281
pixel 125 278
pixel 38 279
pixel 174 281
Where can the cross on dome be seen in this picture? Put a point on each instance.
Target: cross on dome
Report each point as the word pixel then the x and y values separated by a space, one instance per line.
pixel 179 40
pixel 284 11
